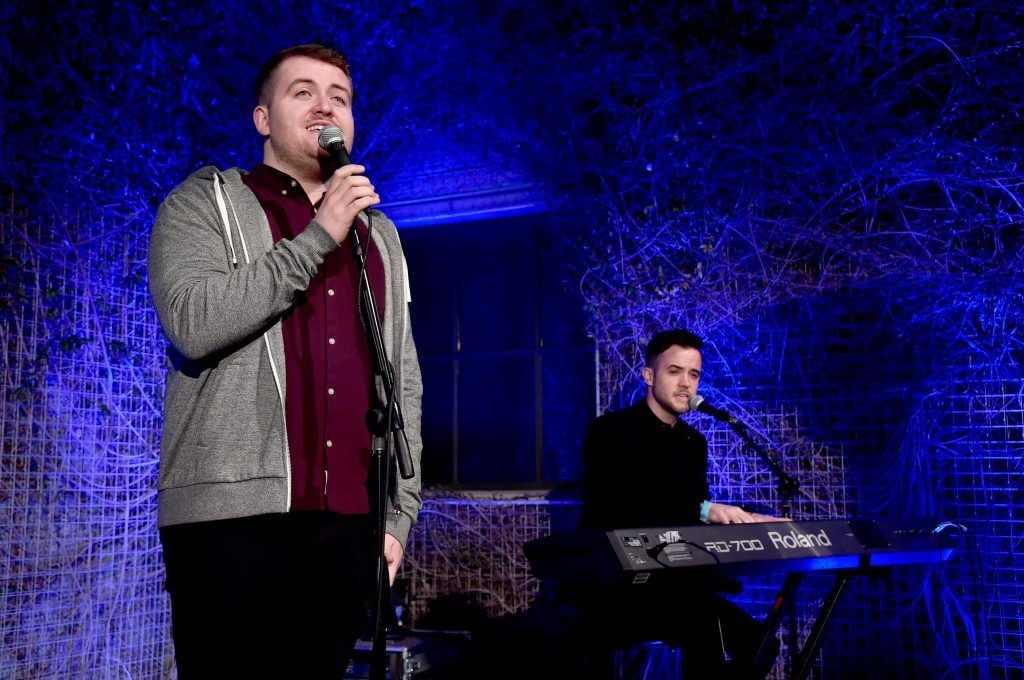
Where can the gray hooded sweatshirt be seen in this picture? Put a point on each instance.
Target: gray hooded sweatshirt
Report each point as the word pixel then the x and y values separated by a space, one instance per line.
pixel 220 286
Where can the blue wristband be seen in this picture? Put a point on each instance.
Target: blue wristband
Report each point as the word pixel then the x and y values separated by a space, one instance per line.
pixel 705 508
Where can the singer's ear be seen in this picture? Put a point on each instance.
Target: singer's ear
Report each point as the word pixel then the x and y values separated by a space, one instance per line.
pixel 648 375
pixel 261 119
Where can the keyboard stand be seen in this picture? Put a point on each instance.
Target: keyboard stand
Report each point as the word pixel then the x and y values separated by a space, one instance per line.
pixel 806 654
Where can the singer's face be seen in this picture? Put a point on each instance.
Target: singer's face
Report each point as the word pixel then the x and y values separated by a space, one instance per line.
pixel 306 95
pixel 672 378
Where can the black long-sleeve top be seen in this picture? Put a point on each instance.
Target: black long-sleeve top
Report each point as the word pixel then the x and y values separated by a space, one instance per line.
pixel 641 472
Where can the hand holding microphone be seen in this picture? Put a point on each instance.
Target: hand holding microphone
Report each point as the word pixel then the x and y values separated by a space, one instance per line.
pixel 348 193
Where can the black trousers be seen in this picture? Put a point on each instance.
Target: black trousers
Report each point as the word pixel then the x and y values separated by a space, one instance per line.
pixel 718 639
pixel 268 596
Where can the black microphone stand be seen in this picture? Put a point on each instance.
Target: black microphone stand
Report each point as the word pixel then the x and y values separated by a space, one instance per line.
pixel 788 485
pixel 387 428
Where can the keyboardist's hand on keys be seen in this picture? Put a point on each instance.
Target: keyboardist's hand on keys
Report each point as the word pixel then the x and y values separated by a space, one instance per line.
pixel 731 514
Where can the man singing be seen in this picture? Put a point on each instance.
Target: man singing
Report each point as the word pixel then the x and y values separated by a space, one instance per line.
pixel 265 456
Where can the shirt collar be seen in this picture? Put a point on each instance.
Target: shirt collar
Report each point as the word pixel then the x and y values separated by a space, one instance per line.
pixel 277 182
pixel 653 420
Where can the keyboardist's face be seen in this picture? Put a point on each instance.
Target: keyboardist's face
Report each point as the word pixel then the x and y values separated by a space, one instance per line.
pixel 672 378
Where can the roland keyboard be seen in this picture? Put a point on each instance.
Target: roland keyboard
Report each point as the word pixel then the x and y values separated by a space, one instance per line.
pixel 636 555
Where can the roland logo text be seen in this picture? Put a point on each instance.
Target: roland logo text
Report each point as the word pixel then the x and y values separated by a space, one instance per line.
pixel 794 539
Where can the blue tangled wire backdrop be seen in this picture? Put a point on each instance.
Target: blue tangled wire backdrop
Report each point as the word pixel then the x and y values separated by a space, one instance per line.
pixel 829 192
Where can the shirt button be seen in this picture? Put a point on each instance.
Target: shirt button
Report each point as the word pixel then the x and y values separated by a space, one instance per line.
pixel 330 390
pixel 284 192
pixel 330 291
pixel 293 182
pixel 330 341
pixel 329 443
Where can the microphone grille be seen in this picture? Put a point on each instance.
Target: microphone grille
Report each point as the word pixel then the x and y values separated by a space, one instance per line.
pixel 695 402
pixel 330 135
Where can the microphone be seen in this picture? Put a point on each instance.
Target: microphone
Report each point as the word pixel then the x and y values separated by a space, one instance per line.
pixel 332 140
pixel 697 403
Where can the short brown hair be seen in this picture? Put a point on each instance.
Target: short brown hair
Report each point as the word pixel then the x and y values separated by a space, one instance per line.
pixel 670 338
pixel 323 53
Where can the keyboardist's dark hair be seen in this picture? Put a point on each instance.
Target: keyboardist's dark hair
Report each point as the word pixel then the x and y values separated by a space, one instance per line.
pixel 665 339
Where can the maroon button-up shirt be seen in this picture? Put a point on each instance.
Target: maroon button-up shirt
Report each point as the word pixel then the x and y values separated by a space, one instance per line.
pixel 327 359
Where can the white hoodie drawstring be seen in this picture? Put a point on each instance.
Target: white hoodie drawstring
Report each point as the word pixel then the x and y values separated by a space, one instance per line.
pixel 218 183
pixel 218 191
